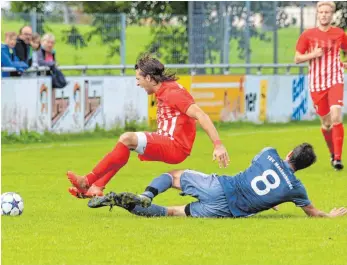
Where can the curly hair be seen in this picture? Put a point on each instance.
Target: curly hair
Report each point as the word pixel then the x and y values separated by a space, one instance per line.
pixel 154 68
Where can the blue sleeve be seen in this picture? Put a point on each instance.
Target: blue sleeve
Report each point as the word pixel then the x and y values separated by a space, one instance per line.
pixel 261 152
pixel 20 64
pixel 300 197
pixel 7 62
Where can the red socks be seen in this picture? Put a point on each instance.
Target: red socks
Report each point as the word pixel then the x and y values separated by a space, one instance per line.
pixel 337 136
pixel 328 136
pixel 109 165
pixel 101 182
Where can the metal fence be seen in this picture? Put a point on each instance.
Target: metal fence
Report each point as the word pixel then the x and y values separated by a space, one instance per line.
pixel 212 33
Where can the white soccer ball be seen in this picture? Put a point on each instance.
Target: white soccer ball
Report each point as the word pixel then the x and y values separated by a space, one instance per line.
pixel 11 204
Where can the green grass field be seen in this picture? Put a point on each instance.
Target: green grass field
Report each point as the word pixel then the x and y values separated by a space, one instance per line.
pixel 56 228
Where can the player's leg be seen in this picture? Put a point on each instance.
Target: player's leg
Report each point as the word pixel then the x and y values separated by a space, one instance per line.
pixel 162 148
pixel 212 201
pixel 163 182
pixel 206 188
pixel 177 210
pixel 96 189
pixel 157 186
pixel 326 129
pixel 336 104
pixel 112 199
pixel 321 104
pixel 109 165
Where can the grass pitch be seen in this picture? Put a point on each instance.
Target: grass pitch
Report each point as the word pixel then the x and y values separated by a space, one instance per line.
pixel 56 228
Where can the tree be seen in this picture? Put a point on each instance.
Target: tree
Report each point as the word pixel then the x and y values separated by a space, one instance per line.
pixel 341 10
pixel 25 6
pixel 157 14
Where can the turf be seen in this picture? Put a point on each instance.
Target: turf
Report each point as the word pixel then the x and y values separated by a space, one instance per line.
pixel 56 228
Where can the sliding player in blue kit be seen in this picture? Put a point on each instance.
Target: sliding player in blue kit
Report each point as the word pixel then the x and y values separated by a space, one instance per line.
pixel 268 182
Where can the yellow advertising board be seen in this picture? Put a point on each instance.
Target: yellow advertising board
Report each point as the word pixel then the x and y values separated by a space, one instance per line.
pixel 263 100
pixel 220 96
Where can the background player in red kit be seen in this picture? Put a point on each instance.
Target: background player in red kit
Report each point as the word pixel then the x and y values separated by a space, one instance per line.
pixel 171 143
pixel 321 46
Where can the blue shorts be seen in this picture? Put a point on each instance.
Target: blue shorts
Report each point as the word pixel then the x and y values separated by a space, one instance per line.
pixel 209 192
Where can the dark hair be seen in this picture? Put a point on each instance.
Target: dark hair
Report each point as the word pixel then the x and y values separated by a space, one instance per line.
pixel 154 68
pixel 302 156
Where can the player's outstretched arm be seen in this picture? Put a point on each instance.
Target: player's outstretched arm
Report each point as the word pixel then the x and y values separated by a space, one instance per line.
pixel 301 58
pixel 219 153
pixel 311 211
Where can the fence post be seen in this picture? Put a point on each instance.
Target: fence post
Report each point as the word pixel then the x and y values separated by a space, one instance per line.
pixel 226 34
pixel 190 30
pixel 247 36
pixel 122 38
pixel 275 36
pixel 33 18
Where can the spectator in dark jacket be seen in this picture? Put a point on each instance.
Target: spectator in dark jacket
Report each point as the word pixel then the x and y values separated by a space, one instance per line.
pixel 8 55
pixel 23 43
pixel 46 55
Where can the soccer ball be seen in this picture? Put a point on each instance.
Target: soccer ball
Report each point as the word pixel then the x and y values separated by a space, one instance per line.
pixel 11 204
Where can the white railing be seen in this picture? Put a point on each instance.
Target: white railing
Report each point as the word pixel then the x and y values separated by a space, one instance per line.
pixel 227 68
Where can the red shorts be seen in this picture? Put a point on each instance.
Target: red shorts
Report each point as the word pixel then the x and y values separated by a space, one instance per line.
pixel 162 148
pixel 323 100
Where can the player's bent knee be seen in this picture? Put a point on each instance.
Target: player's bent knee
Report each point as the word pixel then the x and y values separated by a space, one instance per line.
pixel 336 114
pixel 326 122
pixel 129 139
pixel 176 178
pixel 326 126
pixel 336 120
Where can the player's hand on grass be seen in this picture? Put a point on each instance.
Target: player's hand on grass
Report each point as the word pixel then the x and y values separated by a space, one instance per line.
pixel 221 154
pixel 345 65
pixel 317 52
pixel 336 212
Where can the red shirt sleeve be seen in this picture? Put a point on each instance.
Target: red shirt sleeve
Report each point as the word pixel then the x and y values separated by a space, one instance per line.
pixel 181 100
pixel 302 45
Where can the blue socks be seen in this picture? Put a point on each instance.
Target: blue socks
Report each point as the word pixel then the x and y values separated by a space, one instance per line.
pixel 151 211
pixel 158 185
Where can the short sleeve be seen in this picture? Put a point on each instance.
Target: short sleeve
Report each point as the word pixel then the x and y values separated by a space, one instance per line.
pixel 181 100
pixel 303 44
pixel 300 198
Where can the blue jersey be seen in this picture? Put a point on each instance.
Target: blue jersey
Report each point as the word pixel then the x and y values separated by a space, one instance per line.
pixel 268 182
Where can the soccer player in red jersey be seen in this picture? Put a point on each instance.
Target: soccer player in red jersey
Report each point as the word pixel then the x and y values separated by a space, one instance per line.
pixel 320 46
pixel 171 143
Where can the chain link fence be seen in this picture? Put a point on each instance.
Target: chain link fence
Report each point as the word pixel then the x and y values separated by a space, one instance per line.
pixel 211 33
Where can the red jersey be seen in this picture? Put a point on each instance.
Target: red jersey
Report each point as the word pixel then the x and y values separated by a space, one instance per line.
pixel 327 70
pixel 173 102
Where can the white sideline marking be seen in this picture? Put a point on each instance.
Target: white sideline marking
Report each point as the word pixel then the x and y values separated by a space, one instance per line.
pixel 39 147
pixel 272 131
pixel 229 134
